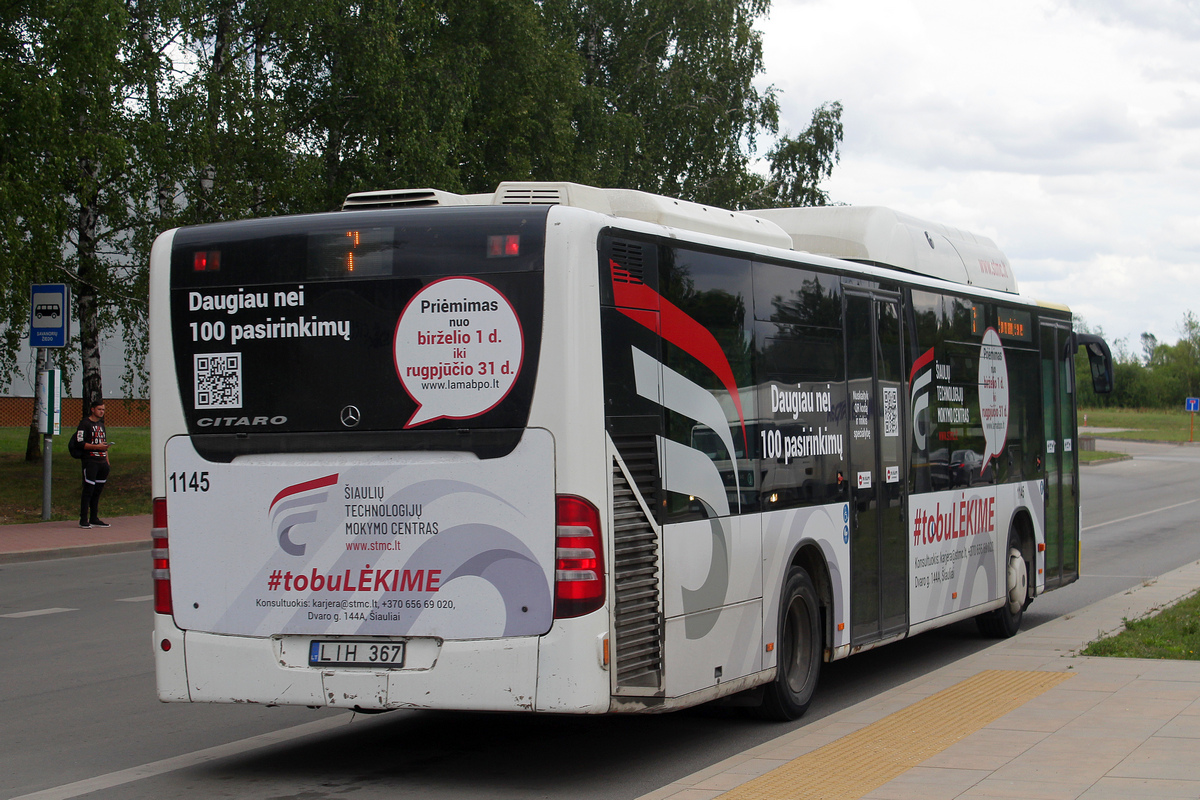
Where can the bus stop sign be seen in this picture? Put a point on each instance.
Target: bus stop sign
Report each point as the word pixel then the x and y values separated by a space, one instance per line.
pixel 49 315
pixel 1193 404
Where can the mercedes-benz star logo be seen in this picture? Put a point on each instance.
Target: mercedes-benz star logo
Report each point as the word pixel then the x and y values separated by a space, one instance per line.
pixel 350 416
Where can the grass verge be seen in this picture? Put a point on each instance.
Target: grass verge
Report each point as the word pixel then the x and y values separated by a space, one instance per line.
pixel 1151 425
pixel 127 491
pixel 1173 633
pixel 1089 456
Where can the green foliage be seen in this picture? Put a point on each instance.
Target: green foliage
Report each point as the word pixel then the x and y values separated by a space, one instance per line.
pixel 798 166
pixel 70 127
pixel 668 102
pixel 123 118
pixel 1160 377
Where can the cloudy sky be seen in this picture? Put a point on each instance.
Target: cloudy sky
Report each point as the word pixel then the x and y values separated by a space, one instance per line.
pixel 1068 132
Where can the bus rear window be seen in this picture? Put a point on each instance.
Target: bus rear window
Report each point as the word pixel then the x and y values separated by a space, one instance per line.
pixel 410 329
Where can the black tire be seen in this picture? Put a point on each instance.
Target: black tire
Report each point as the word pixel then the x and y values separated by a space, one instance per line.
pixel 1005 621
pixel 800 651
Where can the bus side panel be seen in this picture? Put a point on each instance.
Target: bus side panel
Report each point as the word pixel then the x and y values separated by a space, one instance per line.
pixel 569 400
pixel 170 664
pixel 954 557
pixel 167 419
pixel 571 674
pixel 712 592
pixel 710 563
pixel 959 546
pixel 1036 498
pixel 729 647
pixel 784 533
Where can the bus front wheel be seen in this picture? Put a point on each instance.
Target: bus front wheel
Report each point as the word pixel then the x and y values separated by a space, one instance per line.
pixel 799 650
pixel 1005 621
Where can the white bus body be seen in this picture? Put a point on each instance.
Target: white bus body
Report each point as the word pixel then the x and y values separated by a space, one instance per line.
pixel 565 449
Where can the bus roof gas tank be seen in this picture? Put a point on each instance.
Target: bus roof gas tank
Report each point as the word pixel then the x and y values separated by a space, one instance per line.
pixel 877 235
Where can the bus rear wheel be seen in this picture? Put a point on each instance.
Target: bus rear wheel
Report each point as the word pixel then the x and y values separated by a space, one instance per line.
pixel 799 656
pixel 1005 621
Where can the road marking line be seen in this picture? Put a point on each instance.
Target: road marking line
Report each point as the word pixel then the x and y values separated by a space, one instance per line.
pixel 122 777
pixel 860 762
pixel 1143 514
pixel 40 612
pixel 139 599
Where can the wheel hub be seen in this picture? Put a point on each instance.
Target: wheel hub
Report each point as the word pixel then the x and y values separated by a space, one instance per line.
pixel 1018 581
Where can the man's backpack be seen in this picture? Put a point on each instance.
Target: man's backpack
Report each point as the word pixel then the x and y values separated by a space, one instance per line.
pixel 75 446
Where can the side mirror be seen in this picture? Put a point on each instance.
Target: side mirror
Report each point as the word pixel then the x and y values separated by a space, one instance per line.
pixel 1100 359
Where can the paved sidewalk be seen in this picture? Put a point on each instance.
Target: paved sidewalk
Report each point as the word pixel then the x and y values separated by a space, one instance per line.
pixel 1114 729
pixel 36 541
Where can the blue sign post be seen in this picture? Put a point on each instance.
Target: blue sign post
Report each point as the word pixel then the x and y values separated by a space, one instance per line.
pixel 1192 404
pixel 49 326
pixel 49 315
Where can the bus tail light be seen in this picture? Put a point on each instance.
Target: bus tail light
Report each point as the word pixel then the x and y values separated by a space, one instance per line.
pixel 162 561
pixel 579 559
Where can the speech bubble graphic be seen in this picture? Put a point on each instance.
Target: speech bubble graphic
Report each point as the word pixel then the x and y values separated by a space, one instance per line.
pixel 993 395
pixel 458 349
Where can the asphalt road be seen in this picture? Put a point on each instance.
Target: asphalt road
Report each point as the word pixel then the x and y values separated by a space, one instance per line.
pixel 78 714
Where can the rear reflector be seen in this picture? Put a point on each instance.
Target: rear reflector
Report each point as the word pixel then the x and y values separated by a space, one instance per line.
pixel 578 559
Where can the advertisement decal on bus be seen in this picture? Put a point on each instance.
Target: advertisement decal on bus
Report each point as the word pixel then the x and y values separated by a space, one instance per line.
pixel 455 549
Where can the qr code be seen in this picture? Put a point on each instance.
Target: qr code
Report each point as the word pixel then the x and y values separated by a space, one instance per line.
pixel 218 380
pixel 891 411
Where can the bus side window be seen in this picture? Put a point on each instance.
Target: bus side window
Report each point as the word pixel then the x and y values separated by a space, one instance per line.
pixel 802 406
pixel 713 292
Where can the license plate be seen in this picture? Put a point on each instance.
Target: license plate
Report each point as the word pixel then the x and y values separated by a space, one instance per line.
pixel 355 654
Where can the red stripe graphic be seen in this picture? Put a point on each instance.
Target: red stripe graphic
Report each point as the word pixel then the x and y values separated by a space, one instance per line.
pixel 920 363
pixel 677 328
pixel 315 483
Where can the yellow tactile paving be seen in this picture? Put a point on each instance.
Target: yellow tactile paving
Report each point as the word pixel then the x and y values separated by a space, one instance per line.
pixel 862 761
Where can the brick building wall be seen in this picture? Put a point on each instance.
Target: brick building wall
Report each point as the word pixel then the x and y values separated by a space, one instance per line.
pixel 118 413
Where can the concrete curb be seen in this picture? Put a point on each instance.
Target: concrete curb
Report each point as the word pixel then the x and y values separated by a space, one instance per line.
pixel 51 553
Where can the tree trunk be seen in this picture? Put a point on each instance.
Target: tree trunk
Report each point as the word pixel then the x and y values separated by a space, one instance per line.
pixel 33 448
pixel 259 78
pixel 164 193
pixel 220 57
pixel 86 305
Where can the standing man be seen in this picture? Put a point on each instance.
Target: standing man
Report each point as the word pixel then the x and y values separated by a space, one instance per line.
pixel 91 433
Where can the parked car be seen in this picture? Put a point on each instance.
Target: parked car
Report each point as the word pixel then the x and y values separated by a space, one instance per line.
pixel 967 468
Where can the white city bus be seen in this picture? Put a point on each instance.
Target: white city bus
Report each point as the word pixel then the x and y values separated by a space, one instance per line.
pixel 567 449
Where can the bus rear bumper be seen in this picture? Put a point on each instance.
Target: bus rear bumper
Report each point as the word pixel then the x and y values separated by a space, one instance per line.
pixel 562 671
pixel 484 675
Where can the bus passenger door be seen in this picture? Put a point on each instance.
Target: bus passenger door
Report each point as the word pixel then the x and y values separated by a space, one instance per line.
pixel 1061 493
pixel 878 542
